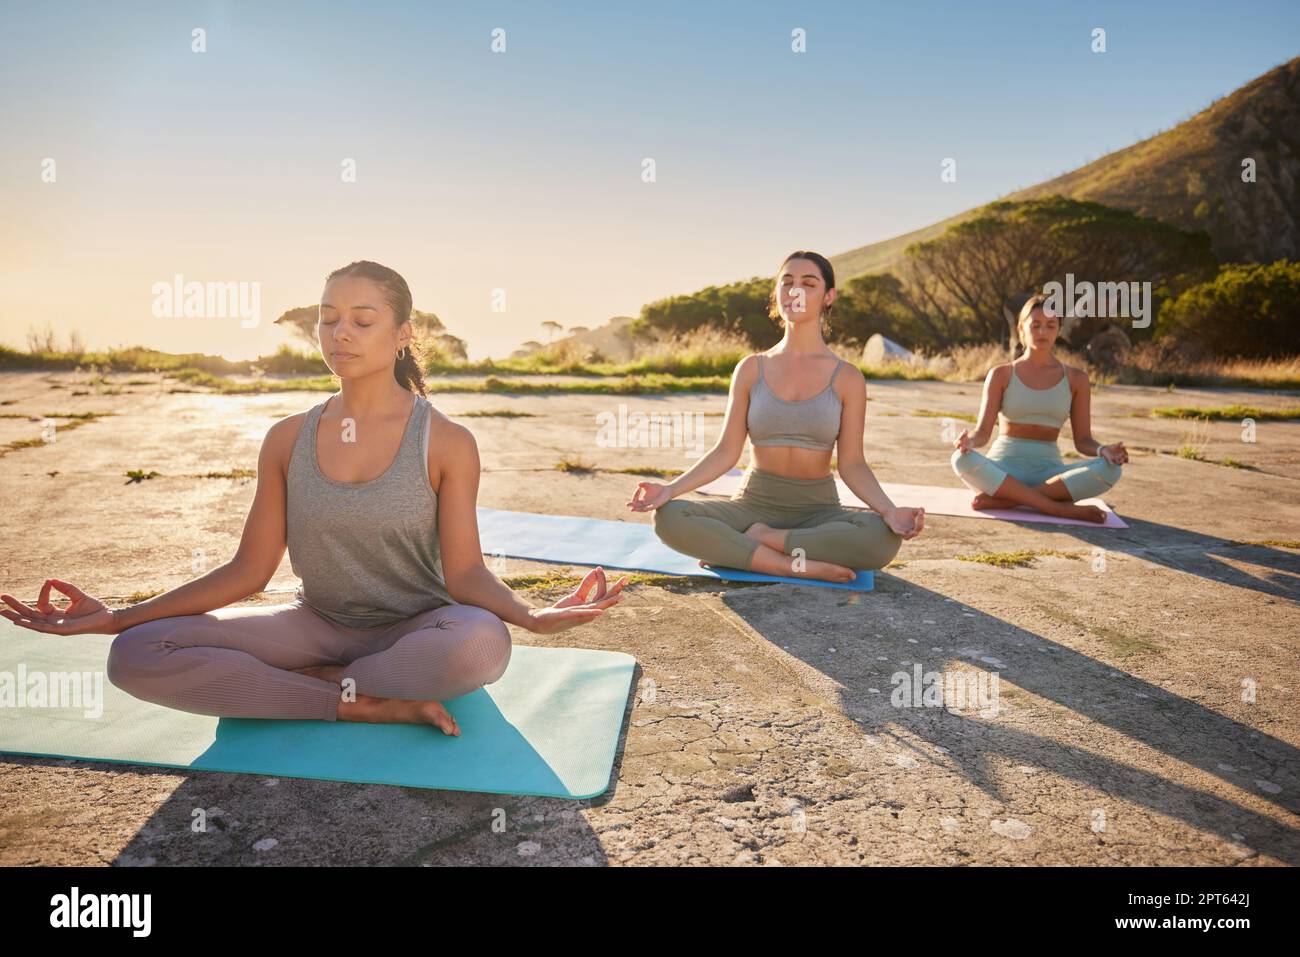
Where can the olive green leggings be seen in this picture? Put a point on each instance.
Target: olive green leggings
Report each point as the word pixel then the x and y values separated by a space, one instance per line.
pixel 820 526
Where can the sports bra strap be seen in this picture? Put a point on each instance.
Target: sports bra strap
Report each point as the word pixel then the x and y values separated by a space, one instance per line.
pixel 838 365
pixel 841 363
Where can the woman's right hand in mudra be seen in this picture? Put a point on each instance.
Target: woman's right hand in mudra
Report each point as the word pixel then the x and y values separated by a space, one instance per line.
pixel 962 442
pixel 83 616
pixel 649 496
pixel 586 602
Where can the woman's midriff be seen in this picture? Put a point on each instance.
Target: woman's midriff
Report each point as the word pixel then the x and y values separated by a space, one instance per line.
pixel 791 461
pixel 1023 430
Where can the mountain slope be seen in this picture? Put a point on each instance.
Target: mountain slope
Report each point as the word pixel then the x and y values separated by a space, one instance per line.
pixel 1189 176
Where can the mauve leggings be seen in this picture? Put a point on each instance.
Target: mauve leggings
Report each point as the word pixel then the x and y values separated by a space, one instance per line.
pixel 234 661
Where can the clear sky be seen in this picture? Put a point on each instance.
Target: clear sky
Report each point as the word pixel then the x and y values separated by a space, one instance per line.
pixel 522 170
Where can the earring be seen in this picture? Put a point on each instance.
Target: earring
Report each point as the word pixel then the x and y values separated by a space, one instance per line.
pixel 403 352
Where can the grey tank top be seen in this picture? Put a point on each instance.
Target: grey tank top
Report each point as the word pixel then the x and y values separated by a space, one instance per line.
pixel 367 552
pixel 804 423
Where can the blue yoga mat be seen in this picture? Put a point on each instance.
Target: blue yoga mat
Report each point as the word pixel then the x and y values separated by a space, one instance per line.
pixel 549 726
pixel 574 540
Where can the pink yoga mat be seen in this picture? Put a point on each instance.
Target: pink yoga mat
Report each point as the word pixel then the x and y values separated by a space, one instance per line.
pixel 937 500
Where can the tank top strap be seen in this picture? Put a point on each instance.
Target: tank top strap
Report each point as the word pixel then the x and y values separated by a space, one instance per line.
pixel 310 424
pixel 839 365
pixel 315 411
pixel 413 438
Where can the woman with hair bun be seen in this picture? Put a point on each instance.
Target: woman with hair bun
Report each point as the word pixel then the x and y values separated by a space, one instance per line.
pixel 796 403
pixel 1034 395
pixel 373 493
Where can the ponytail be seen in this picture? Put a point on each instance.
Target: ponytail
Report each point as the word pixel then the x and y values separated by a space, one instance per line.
pixel 408 370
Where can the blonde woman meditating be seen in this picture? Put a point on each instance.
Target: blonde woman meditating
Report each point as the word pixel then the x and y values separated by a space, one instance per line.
pixel 796 402
pixel 1034 395
pixel 373 493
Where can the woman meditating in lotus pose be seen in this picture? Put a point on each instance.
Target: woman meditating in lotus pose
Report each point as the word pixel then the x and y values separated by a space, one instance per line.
pixel 1034 395
pixel 786 519
pixel 373 492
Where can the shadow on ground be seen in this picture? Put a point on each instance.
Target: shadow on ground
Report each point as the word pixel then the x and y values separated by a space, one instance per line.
pixel 951 635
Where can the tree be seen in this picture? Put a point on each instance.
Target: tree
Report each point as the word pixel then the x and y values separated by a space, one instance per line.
pixel 1246 310
pixel 427 327
pixel 739 307
pixel 869 304
pixel 960 283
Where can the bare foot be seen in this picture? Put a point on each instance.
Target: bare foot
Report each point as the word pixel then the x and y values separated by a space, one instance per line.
pixel 773 538
pixel 399 711
pixel 432 712
pixel 826 571
pixel 1089 513
pixel 983 501
pixel 386 710
pixel 770 562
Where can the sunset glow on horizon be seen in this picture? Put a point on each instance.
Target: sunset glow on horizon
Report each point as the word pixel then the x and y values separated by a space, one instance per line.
pixel 522 169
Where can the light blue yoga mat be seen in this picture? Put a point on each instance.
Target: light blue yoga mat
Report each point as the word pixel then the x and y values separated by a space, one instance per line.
pixel 549 726
pixel 574 540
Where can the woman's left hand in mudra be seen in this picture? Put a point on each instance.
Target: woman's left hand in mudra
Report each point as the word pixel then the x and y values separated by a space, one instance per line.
pixel 578 606
pixel 905 522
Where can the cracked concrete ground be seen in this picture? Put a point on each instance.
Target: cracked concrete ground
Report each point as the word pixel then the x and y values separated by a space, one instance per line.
pixel 763 728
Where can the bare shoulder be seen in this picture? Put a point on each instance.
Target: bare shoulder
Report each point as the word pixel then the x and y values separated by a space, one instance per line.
pixel 281 437
pixel 1078 377
pixel 849 379
pixel 745 375
pixel 288 427
pixel 450 443
pixel 747 368
pixel 441 426
pixel 1000 374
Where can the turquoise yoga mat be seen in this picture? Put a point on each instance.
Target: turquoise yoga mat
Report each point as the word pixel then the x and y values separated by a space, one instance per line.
pixel 634 546
pixel 548 727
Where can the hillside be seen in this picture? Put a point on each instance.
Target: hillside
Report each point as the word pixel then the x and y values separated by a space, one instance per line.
pixel 1189 176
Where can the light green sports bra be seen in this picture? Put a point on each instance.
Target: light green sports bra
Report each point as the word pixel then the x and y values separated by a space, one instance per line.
pixel 1022 405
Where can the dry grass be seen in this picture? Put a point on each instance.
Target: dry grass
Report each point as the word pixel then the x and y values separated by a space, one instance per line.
pixel 701 360
pixel 1019 559
pixel 1194 439
pixel 1227 413
pixel 1149 365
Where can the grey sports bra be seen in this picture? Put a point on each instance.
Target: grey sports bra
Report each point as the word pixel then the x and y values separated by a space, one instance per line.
pixel 803 423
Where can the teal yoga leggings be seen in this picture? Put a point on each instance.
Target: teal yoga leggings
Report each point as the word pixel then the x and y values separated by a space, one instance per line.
pixel 1033 462
pixel 826 531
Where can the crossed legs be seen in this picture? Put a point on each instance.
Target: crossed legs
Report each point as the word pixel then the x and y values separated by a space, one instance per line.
pixel 1052 489
pixel 287 661
pixel 829 543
